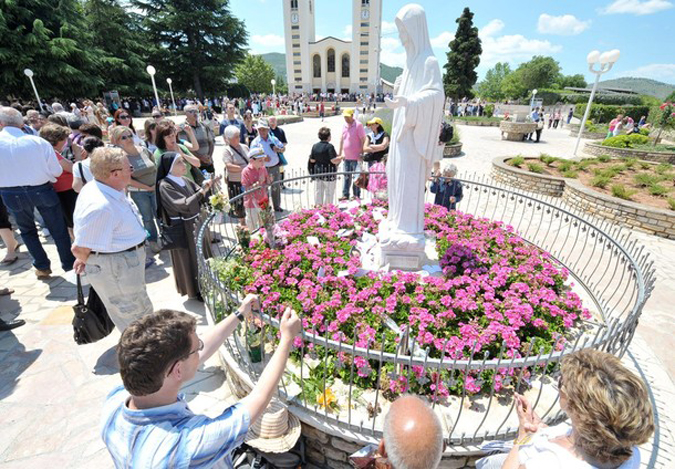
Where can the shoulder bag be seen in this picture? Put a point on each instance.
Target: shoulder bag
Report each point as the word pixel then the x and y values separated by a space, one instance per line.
pixel 91 322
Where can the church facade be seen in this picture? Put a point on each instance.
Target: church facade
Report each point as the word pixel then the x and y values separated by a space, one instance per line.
pixel 330 64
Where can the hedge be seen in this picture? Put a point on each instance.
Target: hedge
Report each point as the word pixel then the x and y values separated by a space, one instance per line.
pixel 603 113
pixel 551 97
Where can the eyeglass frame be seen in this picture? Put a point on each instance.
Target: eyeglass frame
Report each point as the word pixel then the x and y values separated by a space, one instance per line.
pixel 124 116
pixel 131 168
pixel 200 347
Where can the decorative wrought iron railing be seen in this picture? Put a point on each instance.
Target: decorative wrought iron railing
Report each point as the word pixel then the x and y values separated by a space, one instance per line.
pixel 612 272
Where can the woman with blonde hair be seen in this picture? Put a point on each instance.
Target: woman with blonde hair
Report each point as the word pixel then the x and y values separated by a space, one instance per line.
pixel 609 412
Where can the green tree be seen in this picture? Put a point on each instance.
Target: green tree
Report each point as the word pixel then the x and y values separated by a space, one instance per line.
pixel 116 33
pixel 463 58
pixel 670 98
pixel 574 81
pixel 540 72
pixel 53 40
pixel 491 86
pixel 255 74
pixel 197 42
pixel 513 87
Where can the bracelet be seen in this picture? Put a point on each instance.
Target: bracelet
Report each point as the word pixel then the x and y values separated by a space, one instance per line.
pixel 239 315
pixel 521 441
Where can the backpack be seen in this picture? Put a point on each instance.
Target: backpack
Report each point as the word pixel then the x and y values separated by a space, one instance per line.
pixel 447 132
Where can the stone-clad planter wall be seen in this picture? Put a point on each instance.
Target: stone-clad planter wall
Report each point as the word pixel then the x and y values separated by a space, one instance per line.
pixel 595 149
pixel 650 220
pixel 477 123
pixel 589 135
pixel 451 151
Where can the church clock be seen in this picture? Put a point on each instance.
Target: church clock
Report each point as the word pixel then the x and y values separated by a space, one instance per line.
pixel 295 18
pixel 365 14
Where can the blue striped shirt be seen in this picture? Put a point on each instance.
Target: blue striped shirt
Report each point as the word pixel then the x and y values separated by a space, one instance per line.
pixel 170 436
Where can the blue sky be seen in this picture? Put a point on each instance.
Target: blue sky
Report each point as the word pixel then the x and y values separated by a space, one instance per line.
pixel 512 31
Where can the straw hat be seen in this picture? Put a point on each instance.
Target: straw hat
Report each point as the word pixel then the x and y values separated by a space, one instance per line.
pixel 349 112
pixel 276 431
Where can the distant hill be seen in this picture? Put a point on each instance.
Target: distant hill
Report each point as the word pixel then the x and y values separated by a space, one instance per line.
pixel 278 62
pixel 640 85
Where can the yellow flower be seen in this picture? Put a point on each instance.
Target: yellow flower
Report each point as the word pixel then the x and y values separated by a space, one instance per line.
pixel 326 399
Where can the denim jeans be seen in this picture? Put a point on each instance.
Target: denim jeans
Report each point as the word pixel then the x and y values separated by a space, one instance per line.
pixel 147 205
pixel 21 203
pixel 350 166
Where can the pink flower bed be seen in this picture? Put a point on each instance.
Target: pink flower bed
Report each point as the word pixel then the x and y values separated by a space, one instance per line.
pixel 496 290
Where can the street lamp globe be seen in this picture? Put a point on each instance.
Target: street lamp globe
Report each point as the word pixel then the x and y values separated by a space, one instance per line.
pixel 614 55
pixel 28 72
pixel 534 92
pixel 151 70
pixel 604 58
pixel 169 81
pixel 273 82
pixel 593 57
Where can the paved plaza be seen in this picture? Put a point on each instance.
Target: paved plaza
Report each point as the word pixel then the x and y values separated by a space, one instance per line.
pixel 51 390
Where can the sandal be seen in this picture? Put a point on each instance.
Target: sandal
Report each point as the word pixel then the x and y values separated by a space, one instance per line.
pixel 11 258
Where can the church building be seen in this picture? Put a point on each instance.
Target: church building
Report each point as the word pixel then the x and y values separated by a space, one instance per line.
pixel 330 64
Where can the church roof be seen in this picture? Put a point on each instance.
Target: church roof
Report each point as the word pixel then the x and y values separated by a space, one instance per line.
pixel 330 37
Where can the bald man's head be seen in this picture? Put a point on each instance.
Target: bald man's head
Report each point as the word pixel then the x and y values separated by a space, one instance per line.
pixel 413 436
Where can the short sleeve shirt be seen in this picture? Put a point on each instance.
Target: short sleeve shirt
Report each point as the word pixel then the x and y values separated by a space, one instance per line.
pixel 352 140
pixel 170 436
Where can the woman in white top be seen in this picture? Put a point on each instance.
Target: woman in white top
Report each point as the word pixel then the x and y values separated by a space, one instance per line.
pixel 609 412
pixel 81 172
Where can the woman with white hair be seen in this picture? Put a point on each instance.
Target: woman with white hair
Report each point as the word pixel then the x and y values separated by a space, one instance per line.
pixel 236 159
pixel 447 189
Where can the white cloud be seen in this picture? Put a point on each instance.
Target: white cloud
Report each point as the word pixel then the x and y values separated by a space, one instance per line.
pixel 565 25
pixel 388 28
pixel 268 40
pixel 392 53
pixel 660 72
pixel 508 48
pixel 636 7
pixel 442 40
pixel 347 33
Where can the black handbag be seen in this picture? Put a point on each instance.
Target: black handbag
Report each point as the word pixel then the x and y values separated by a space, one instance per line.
pixel 91 322
pixel 173 235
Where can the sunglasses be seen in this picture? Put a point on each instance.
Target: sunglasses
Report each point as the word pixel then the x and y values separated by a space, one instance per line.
pixel 126 137
pixel 124 116
pixel 200 347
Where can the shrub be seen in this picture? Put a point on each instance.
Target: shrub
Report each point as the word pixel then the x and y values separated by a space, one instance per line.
pixel 600 181
pixel 516 161
pixel 620 191
pixel 645 179
pixel 604 158
pixel 566 165
pixel 535 168
pixel 658 190
pixel 646 165
pixel 625 141
pixel 570 174
pixel 663 168
pixel 602 113
pixel 489 110
pixel 629 163
pixel 583 165
pixel 671 203
pixel 607 172
pixel 548 159
pixel 644 131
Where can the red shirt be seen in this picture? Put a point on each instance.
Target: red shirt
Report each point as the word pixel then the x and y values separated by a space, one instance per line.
pixel 249 177
pixel 65 181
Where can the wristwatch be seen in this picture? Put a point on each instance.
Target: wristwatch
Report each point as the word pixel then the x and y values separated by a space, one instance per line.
pixel 239 315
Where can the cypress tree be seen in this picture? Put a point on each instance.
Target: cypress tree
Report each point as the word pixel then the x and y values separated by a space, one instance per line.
pixel 463 58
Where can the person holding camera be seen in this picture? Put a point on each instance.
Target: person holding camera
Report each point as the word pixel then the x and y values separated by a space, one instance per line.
pixel 203 134
pixel 149 423
pixel 272 148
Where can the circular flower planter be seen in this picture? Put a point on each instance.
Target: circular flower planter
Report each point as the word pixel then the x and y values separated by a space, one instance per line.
pixel 478 123
pixel 452 151
pixel 515 131
pixel 589 135
pixel 596 149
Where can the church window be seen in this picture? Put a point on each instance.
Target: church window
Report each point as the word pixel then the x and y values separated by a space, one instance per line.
pixel 295 36
pixel 345 65
pixel 294 4
pixel 365 2
pixel 317 66
pixel 331 61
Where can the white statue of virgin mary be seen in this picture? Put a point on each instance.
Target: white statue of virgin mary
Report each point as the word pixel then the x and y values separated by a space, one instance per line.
pixel 418 110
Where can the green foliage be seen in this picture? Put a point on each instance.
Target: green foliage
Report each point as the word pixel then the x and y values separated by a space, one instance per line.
pixel 670 98
pixel 630 163
pixel 604 158
pixel 535 168
pixel 644 86
pixel 566 165
pixel 548 159
pixel 671 203
pixel 620 191
pixel 196 43
pixel 584 164
pixel 491 87
pixel 609 173
pixel 644 131
pixel 574 81
pixel 645 179
pixel 256 74
pixel 658 190
pixel 489 110
pixel 644 165
pixel 463 58
pixel 516 161
pixel 540 72
pixel 663 168
pixel 625 141
pixel 603 113
pixel 600 181
pixel 570 174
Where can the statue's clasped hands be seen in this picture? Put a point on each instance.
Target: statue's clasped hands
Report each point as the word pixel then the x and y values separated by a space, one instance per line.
pixel 396 101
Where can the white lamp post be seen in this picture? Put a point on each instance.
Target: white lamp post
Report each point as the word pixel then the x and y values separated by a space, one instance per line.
pixel 169 81
pixel 274 84
pixel 29 73
pixel 534 94
pixel 605 60
pixel 151 71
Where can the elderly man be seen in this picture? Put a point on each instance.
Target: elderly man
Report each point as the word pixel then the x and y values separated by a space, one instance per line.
pixel 147 423
pixel 28 167
pixel 279 133
pixel 204 136
pixel 351 145
pixel 272 147
pixel 109 238
pixel 413 436
pixel 231 119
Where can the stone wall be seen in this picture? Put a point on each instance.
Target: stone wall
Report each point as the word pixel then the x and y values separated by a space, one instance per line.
pixel 595 149
pixel 451 151
pixel 636 216
pixel 524 180
pixel 589 135
pixel 477 123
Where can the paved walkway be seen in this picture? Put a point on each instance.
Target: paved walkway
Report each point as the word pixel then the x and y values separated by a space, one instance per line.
pixel 51 390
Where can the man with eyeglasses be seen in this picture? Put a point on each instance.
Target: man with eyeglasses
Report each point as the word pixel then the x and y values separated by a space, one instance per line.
pixel 203 134
pixel 110 238
pixel 147 423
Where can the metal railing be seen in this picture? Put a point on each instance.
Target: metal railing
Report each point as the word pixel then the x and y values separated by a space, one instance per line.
pixel 612 274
